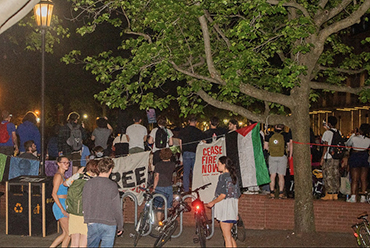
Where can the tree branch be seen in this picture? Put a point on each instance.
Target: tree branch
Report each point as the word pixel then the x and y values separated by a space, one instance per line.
pixel 145 36
pixel 197 76
pixel 217 28
pixel 326 15
pixel 323 3
pixel 345 23
pixel 274 119
pixel 264 95
pixel 291 4
pixel 339 88
pixel 322 68
pixel 207 48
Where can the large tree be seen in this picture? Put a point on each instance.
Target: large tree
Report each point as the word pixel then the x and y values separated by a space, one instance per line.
pixel 262 59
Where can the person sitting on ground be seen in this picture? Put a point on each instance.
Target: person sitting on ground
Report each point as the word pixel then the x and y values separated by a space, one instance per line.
pixel 97 152
pixel 31 148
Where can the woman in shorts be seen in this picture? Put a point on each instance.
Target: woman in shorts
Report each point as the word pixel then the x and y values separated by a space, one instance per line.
pixel 59 195
pixel 77 227
pixel 227 198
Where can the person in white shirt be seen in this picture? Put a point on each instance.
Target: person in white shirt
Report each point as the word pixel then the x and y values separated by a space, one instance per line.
pixel 137 135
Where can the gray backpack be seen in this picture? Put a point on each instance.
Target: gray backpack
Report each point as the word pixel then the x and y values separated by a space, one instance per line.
pixel 75 138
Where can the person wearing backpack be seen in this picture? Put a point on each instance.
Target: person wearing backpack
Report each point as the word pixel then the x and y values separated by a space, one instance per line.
pixel 160 137
pixel 330 164
pixel 8 137
pixel 279 145
pixel 70 138
pixel 120 144
pixel 77 228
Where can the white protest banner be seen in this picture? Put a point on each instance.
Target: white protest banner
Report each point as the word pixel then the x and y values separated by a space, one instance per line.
pixel 205 167
pixel 130 172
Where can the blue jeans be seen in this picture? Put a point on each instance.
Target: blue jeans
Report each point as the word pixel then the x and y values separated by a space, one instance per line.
pixel 97 232
pixel 167 192
pixel 188 159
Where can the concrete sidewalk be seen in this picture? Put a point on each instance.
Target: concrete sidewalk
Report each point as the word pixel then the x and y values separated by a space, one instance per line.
pixel 255 238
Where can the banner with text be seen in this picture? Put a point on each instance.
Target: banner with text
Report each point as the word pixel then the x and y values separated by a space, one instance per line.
pixel 205 167
pixel 131 172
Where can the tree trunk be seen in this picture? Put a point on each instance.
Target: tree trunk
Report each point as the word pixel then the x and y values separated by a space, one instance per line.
pixel 303 209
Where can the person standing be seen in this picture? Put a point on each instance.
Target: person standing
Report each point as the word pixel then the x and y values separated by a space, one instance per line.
pixel 278 143
pixel 190 136
pixel 70 139
pixel 214 130
pixel 8 136
pixel 101 134
pixel 226 199
pixel 102 207
pixel 232 151
pixel 59 195
pixel 160 137
pixel 330 166
pixel 29 131
pixel 137 135
pixel 358 162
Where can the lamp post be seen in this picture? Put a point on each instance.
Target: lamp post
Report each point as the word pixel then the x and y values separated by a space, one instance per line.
pixel 43 12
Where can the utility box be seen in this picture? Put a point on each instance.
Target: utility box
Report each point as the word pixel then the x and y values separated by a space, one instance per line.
pixel 29 206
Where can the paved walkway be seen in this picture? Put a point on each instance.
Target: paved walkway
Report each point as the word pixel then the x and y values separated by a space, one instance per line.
pixel 255 238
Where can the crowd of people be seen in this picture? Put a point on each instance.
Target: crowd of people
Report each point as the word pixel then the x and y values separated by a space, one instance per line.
pixel 72 144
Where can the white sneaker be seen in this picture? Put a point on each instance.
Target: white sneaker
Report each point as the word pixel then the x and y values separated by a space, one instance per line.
pixel 363 199
pixel 351 199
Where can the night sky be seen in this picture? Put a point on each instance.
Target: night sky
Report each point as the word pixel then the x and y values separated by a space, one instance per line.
pixel 70 86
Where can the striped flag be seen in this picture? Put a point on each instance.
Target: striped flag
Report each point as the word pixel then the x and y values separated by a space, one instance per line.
pixel 252 163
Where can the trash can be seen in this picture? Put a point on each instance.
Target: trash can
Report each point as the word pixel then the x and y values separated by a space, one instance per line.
pixel 29 206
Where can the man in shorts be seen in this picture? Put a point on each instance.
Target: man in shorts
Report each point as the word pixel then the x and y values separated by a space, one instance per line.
pixel 279 144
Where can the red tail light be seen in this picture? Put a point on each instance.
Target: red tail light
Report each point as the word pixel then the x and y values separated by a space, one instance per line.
pixel 198 205
pixel 356 235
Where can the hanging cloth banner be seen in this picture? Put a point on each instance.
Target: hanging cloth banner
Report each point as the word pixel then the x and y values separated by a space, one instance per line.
pixel 205 167
pixel 253 167
pixel 130 172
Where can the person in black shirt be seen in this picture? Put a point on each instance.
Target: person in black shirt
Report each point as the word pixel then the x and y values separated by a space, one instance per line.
pixel 214 130
pixel 190 136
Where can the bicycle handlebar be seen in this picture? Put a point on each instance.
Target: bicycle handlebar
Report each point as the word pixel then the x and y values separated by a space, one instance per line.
pixel 201 187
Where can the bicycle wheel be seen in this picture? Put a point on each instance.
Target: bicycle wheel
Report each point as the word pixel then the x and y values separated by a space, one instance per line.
pixel 201 233
pixel 364 235
pixel 166 234
pixel 143 227
pixel 241 233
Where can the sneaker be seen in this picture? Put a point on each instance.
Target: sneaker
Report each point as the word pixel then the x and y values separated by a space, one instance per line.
pixel 351 199
pixel 363 199
pixel 250 192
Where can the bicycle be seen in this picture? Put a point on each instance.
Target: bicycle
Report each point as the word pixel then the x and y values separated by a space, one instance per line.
pixel 362 230
pixel 146 219
pixel 167 227
pixel 202 229
pixel 238 230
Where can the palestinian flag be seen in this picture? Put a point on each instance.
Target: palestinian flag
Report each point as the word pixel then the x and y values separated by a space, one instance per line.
pixel 253 169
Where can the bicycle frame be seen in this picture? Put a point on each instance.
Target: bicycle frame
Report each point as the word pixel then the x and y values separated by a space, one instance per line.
pixel 362 241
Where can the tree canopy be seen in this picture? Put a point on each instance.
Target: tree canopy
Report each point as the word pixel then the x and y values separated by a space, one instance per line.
pixel 262 59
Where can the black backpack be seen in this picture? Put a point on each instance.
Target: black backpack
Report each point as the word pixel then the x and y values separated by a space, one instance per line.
pixel 337 148
pixel 161 137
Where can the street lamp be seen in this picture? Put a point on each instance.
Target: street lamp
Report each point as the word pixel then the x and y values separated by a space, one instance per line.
pixel 43 12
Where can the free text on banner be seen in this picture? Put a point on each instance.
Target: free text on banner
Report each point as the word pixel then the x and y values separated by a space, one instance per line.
pixel 131 172
pixel 205 167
